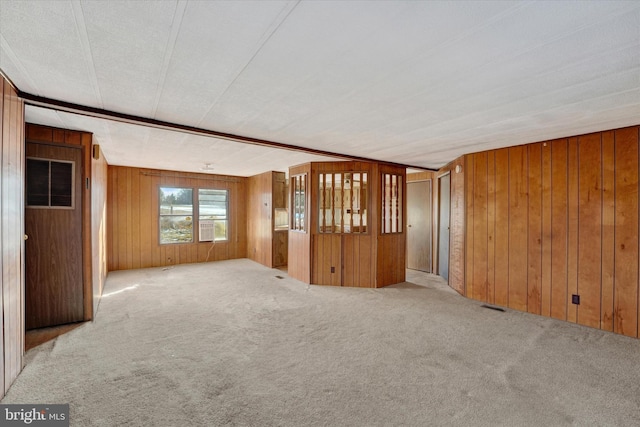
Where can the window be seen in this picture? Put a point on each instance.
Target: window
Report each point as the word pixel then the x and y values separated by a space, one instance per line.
pixel 299 186
pixel 212 215
pixel 391 203
pixel 343 202
pixel 50 183
pixel 176 215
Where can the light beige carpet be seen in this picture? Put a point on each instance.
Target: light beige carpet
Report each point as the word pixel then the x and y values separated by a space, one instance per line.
pixel 229 343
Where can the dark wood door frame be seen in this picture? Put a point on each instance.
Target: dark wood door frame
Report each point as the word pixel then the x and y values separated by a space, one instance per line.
pixel 83 141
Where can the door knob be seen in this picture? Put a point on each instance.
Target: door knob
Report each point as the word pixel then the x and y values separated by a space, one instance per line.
pixel 26 237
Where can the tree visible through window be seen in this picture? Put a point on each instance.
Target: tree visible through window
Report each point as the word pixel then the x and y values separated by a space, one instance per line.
pixel 176 215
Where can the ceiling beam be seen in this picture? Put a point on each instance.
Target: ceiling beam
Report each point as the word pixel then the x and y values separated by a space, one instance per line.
pixel 55 104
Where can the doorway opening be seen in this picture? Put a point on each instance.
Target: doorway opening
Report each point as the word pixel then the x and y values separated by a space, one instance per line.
pixel 419 226
pixel 444 212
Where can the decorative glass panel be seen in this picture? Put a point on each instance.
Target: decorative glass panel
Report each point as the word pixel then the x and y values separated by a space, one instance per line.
pixel 343 202
pixel 391 203
pixel 298 211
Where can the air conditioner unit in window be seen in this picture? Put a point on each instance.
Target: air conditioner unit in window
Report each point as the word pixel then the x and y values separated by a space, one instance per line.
pixel 207 230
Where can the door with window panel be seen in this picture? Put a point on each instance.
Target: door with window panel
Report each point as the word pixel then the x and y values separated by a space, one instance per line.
pixel 54 291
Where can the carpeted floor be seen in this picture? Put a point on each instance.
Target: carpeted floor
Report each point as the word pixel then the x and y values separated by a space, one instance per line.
pixel 229 343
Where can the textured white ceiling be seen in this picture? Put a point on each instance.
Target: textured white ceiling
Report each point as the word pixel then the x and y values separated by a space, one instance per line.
pixel 411 82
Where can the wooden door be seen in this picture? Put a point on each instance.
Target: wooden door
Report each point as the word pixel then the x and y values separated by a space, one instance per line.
pixel 444 209
pixel 53 223
pixel 419 225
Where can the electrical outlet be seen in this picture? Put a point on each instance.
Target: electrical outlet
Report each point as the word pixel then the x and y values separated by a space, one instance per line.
pixel 575 299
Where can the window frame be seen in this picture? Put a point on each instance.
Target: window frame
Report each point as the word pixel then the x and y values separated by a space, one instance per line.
pixel 73 184
pixel 226 219
pixel 195 221
pixel 161 215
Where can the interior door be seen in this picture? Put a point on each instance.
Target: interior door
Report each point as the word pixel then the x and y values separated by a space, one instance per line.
pixel 444 208
pixel 419 225
pixel 53 224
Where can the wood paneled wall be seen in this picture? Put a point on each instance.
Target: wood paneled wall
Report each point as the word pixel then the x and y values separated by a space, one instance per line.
pixel 46 134
pixel 11 235
pixel 391 247
pixel 549 220
pixel 260 219
pixel 338 251
pixel 299 256
pixel 133 211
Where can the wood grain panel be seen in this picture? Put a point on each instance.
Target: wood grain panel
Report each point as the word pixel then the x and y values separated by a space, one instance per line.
pixel 518 223
pixel 491 223
pixel 327 259
pixel 534 230
pixel 11 235
pixel 480 226
pixel 336 260
pixel 299 253
pixel 85 140
pixel 569 224
pixel 608 230
pixel 126 205
pixel 572 227
pixel 136 225
pixel 147 235
pixel 349 263
pixel 545 308
pixel 626 232
pixel 316 259
pixel 365 277
pixel 559 228
pixel 469 221
pixel 502 227
pixel 122 225
pixel 590 229
pixel 363 260
pixel 259 218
